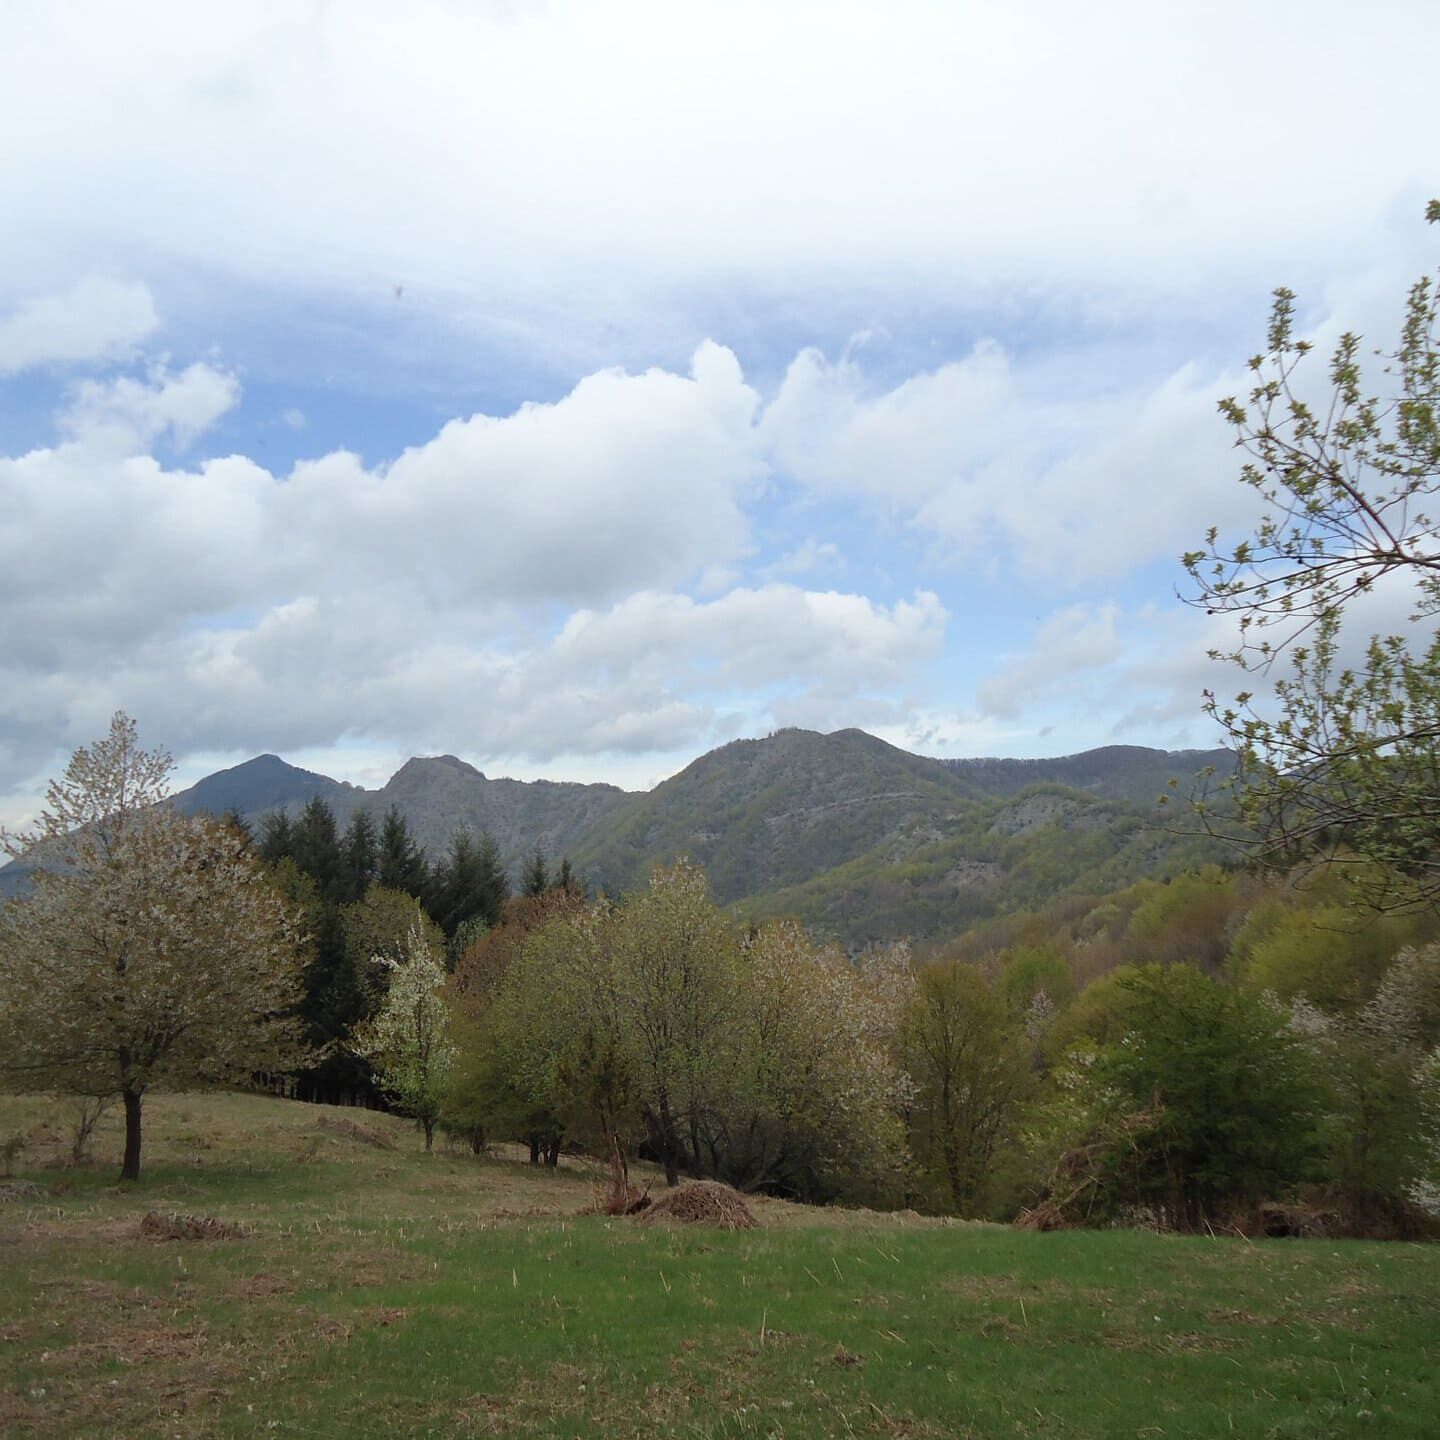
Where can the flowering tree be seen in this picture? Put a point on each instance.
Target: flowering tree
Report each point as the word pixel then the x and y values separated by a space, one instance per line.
pixel 408 1041
pixel 152 952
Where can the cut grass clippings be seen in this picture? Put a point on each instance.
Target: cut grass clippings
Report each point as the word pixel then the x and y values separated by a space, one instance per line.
pixel 367 1291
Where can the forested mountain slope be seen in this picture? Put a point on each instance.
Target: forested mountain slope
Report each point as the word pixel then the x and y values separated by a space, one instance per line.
pixel 853 835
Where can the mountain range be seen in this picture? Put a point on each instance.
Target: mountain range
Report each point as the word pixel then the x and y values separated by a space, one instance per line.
pixel 862 840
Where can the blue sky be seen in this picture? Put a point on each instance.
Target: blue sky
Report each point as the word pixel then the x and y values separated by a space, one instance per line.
pixel 575 387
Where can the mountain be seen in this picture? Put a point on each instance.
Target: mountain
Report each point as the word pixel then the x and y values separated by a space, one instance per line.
pixel 861 839
pixel 1114 772
pixel 258 786
pixel 437 795
pixel 762 814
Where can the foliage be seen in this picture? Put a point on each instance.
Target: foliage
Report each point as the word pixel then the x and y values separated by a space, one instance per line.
pixel 154 953
pixel 815 1097
pixel 353 911
pixel 1381 1116
pixel 408 1040
pixel 652 1024
pixel 967 1056
pixel 1031 970
pixel 1344 761
pixel 376 932
pixel 1326 953
pixel 468 883
pixel 1230 1100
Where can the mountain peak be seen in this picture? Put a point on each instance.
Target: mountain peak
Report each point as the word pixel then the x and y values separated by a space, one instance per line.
pixel 436 766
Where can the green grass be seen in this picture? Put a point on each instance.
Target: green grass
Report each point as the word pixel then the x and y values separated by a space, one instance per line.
pixel 382 1293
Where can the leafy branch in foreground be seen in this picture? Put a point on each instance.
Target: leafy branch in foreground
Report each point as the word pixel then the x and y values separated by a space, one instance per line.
pixel 1337 759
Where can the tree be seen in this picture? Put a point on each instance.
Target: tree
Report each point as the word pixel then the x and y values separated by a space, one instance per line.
pixel 469 883
pixel 359 856
pixel 408 1040
pixel 1343 758
pixel 401 862
pixel 536 880
pixel 967 1055
pixel 377 934
pixel 813 1097
pixel 315 848
pixel 1226 1097
pixel 153 950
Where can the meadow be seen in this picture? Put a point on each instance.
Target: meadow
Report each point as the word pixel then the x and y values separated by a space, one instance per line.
pixel 360 1288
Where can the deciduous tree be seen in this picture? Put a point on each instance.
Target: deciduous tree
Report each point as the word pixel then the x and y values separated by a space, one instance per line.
pixel 153 950
pixel 408 1040
pixel 1343 755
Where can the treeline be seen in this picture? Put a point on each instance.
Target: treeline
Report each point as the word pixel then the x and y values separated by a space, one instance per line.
pixel 360 891
pixel 1175 1054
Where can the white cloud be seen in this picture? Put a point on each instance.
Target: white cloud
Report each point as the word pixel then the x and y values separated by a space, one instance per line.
pixel 811 554
pixel 423 602
pixel 900 446
pixel 1045 485
pixel 361 145
pixel 1077 640
pixel 126 415
pixel 97 319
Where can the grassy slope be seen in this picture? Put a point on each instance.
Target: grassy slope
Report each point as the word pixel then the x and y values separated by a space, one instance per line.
pixel 381 1293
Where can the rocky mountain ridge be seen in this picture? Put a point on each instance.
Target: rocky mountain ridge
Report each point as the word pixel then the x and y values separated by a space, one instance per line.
pixel 854 835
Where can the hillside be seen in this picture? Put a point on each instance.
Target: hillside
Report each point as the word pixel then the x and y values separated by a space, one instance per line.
pixel 355 1287
pixel 762 814
pixel 1131 773
pixel 861 839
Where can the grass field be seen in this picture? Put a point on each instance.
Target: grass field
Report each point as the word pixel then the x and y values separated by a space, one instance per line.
pixel 378 1292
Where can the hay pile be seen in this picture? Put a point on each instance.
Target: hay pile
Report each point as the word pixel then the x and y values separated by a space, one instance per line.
pixel 701 1202
pixel 1047 1215
pixel 156 1226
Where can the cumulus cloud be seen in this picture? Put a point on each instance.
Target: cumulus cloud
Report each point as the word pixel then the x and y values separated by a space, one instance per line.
pixel 973 459
pixel 523 585
pixel 126 414
pixel 98 319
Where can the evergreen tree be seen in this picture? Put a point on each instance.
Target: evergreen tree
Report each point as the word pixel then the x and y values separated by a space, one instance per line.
pixel 276 837
pixel 240 828
pixel 537 874
pixel 315 847
pixel 470 882
pixel 359 856
pixel 401 864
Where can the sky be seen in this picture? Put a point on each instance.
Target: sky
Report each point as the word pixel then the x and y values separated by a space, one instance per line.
pixel 575 387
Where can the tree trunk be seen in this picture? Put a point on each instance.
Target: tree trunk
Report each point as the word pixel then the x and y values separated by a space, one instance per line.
pixel 552 1155
pixel 669 1143
pixel 130 1169
pixel 429 1125
pixel 534 1138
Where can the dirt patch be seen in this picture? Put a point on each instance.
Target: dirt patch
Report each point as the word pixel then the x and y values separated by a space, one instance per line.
pixel 365 1134
pixel 156 1226
pixel 262 1286
pixel 701 1202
